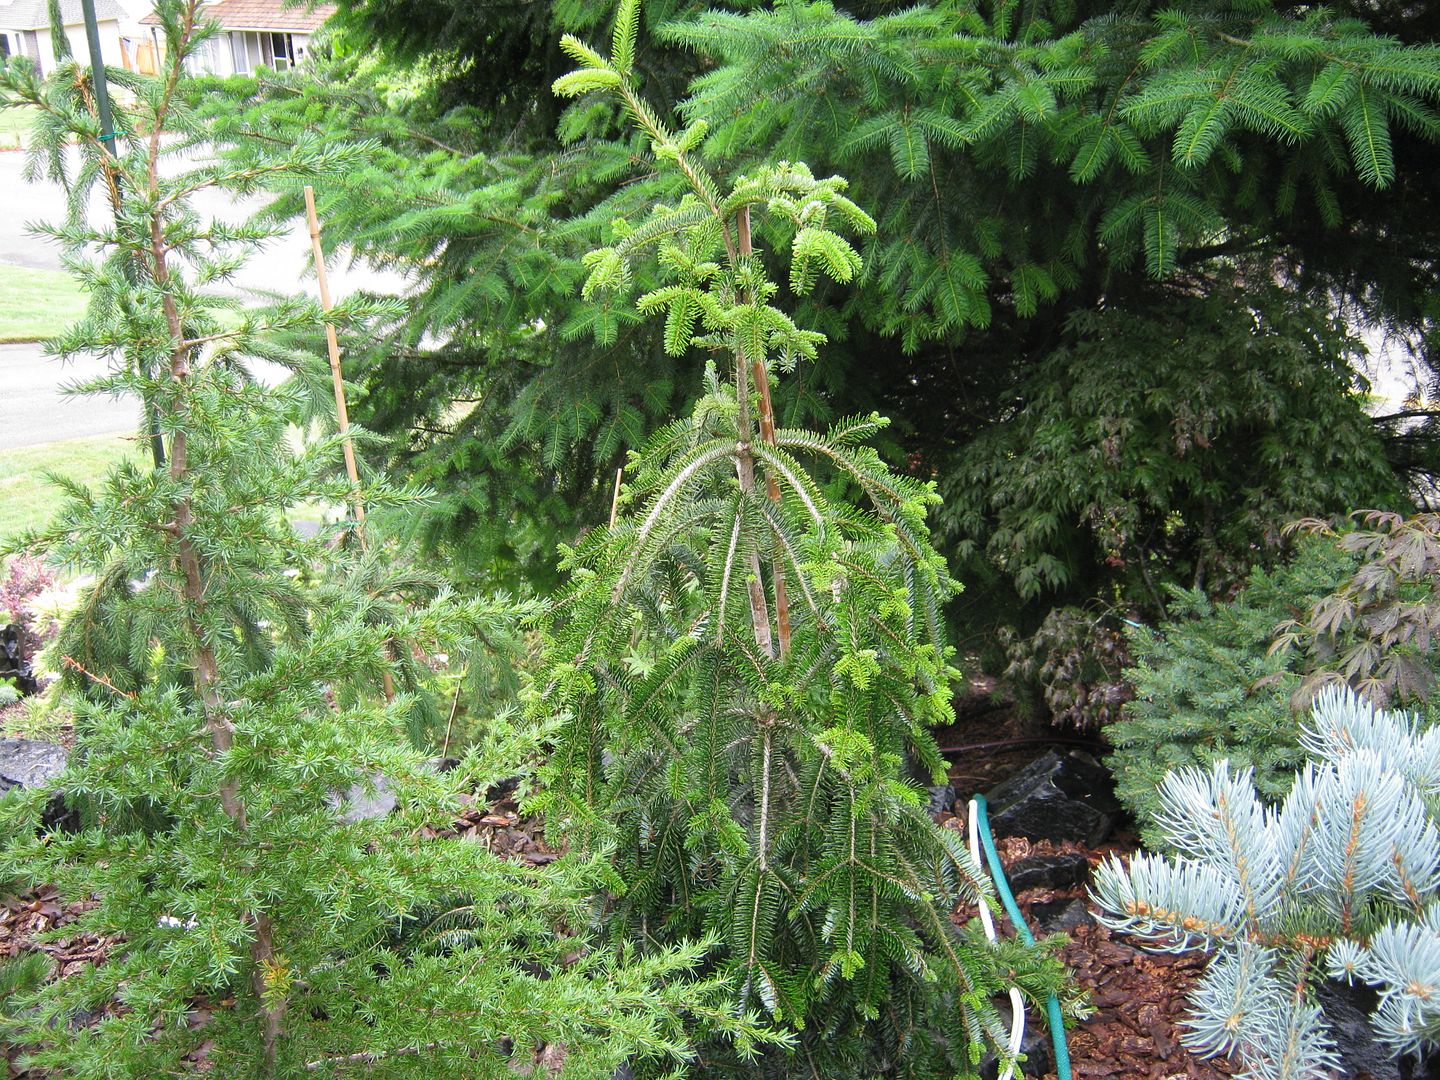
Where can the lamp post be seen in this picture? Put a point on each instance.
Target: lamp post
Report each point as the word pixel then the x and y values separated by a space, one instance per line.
pixel 107 140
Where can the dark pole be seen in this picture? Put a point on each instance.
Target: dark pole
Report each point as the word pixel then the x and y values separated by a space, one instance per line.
pixel 97 75
pixel 107 140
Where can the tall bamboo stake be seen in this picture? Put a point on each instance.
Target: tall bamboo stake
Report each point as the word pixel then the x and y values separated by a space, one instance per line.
pixel 334 346
pixel 761 378
pixel 342 414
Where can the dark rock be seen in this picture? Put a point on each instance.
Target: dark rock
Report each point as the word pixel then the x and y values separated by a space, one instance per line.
pixel 503 790
pixel 1035 1045
pixel 14 664
pixel 1347 1013
pixel 1056 797
pixel 1059 917
pixel 1060 871
pixel 942 799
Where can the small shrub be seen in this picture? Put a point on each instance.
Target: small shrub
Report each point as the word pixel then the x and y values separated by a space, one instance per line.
pixel 1073 665
pixel 1377 631
pixel 1208 685
pixel 742 664
pixel 1340 880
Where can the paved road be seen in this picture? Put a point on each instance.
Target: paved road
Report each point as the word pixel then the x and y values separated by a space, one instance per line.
pixel 32 407
pixel 33 410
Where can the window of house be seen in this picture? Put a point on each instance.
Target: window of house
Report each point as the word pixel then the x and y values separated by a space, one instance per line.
pixel 282 51
pixel 4 46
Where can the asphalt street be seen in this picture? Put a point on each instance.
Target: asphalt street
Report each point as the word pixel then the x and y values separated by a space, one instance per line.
pixel 33 406
pixel 34 409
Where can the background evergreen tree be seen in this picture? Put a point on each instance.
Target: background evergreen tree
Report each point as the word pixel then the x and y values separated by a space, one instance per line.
pixel 1056 184
pixel 257 927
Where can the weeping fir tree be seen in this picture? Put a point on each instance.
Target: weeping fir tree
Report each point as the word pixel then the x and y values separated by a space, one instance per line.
pixel 745 660
pixel 255 928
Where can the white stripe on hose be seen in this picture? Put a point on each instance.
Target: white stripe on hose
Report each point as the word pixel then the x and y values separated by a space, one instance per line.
pixel 1017 1003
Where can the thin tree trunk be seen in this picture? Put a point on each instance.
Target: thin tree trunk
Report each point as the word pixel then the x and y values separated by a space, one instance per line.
pixel 203 659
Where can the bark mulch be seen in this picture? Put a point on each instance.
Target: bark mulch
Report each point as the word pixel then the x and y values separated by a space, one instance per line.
pixel 1139 997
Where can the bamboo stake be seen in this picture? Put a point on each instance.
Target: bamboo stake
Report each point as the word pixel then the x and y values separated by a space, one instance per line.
pixel 767 435
pixel 341 412
pixel 334 346
pixel 615 498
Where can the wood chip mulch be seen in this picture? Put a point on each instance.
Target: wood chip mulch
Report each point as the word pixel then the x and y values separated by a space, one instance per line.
pixel 497 825
pixel 26 917
pixel 1139 996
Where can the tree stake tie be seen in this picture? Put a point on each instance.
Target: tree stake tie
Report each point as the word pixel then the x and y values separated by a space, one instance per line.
pixel 342 413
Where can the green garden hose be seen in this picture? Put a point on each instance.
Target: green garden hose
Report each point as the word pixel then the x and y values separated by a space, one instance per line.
pixel 1052 1007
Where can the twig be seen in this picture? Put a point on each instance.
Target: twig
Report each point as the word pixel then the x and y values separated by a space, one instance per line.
pixel 72 663
pixel 450 724
pixel 369 1057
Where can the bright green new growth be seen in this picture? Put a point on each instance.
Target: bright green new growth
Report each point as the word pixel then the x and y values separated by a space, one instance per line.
pixel 254 927
pixel 744 662
pixel 1341 879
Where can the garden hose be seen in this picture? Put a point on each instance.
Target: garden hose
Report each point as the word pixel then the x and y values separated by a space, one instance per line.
pixel 980 823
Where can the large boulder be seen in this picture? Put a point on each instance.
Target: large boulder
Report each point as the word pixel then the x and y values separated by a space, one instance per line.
pixel 1056 797
pixel 1347 1014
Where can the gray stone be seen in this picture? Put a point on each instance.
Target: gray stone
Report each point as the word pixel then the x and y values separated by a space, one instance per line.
pixel 27 763
pixel 1056 797
pixel 359 804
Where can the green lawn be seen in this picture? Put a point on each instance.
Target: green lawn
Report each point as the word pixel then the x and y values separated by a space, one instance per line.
pixel 26 499
pixel 36 303
pixel 15 126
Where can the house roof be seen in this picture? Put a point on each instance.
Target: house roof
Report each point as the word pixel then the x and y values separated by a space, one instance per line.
pixel 252 14
pixel 35 14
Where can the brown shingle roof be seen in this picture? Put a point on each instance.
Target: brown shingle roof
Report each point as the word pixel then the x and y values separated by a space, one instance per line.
pixel 263 15
pixel 35 14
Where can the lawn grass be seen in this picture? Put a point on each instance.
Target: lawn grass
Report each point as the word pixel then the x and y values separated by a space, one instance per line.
pixel 27 500
pixel 15 126
pixel 36 304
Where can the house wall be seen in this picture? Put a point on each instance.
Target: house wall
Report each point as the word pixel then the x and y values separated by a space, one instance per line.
pixel 233 52
pixel 110 50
